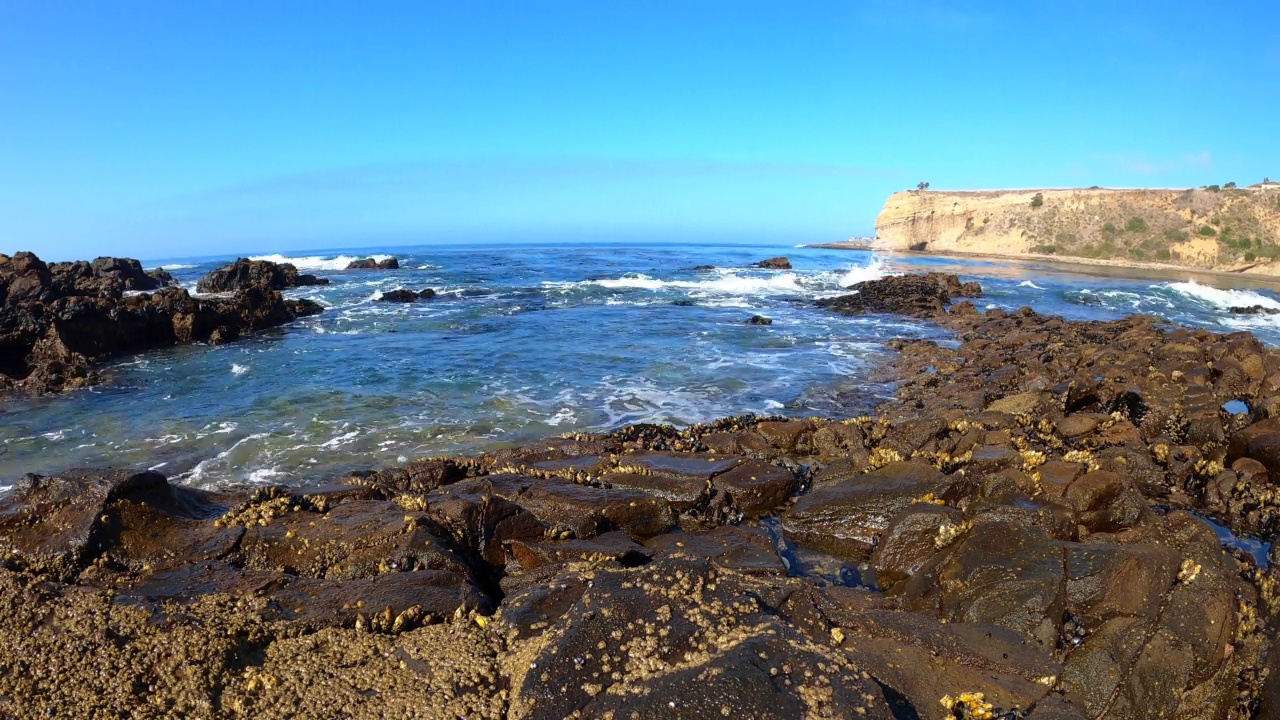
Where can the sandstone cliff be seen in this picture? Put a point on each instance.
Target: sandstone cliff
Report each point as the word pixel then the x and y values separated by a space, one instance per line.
pixel 1210 228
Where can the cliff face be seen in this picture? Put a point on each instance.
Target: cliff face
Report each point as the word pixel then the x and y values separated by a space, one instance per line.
pixel 1237 228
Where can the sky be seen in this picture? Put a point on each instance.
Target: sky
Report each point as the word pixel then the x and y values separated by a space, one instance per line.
pixel 164 129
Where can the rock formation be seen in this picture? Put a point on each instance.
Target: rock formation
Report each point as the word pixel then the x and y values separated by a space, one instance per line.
pixel 777 263
pixel 1018 535
pixel 371 264
pixel 245 273
pixel 400 295
pixel 1225 229
pixel 58 319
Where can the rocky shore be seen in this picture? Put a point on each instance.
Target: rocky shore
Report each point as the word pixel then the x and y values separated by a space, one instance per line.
pixel 1021 534
pixel 58 320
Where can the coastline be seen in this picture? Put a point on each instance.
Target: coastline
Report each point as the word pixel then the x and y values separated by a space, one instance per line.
pixel 1072 263
pixel 860 552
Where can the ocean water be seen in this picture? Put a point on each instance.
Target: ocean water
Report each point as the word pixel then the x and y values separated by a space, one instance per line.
pixel 523 342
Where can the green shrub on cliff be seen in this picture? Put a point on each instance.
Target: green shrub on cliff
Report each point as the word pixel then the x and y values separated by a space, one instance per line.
pixel 1207 231
pixel 1037 201
pixel 1136 224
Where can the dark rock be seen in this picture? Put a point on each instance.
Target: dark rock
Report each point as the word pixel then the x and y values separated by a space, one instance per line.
pixel 777 263
pixel 244 273
pixel 1254 310
pixel 704 268
pixel 915 295
pixel 58 320
pixel 759 320
pixel 845 517
pixel 162 276
pixel 399 296
pixel 371 264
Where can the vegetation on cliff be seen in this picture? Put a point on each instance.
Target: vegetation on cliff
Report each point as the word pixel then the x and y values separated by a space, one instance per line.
pixel 1226 228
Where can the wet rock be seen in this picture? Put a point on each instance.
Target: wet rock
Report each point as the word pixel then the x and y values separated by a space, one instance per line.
pixel 759 320
pixel 913 536
pixel 371 264
pixel 915 295
pixel 401 295
pixel 699 638
pixel 748 550
pixel 245 273
pixel 58 321
pixel 1253 310
pixel 845 517
pixel 777 263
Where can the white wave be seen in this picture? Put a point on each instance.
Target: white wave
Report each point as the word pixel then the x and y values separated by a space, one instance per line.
pixel 563 415
pixel 863 273
pixel 196 473
pixel 176 266
pixel 728 283
pixel 5 488
pixel 316 262
pixel 237 369
pixel 1224 299
pixel 339 440
pixel 263 475
pixel 1029 284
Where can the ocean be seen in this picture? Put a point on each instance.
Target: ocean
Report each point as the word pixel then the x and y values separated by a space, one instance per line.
pixel 523 342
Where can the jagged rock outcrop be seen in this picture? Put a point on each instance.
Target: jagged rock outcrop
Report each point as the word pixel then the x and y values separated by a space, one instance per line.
pixel 1226 229
pixel 245 273
pixel 57 320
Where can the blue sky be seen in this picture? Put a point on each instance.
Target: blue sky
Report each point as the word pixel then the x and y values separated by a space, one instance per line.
pixel 163 129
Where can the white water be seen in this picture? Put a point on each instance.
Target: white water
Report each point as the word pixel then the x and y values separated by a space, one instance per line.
pixel 1224 299
pixel 317 262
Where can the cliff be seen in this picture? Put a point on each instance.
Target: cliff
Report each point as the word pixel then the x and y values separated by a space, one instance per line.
pixel 1218 229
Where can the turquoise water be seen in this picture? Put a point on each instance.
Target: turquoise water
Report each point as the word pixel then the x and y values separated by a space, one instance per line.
pixel 528 341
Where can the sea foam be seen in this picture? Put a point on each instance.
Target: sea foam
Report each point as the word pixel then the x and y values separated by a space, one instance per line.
pixel 1224 299
pixel 316 262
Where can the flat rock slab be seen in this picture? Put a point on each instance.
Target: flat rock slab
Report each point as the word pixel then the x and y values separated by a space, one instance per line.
pixel 845 517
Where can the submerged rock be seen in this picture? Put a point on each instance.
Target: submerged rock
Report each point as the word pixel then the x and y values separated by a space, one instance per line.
pixel 759 320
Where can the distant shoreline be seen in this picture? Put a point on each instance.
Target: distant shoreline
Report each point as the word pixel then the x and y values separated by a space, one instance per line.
pixel 1150 267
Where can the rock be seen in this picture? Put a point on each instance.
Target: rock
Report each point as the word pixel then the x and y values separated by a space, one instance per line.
pixel 759 320
pixel 399 296
pixel 244 273
pixel 371 264
pixel 777 263
pixel 845 517
pixel 162 276
pixel 1253 310
pixel 426 294
pixel 58 320
pixel 704 268
pixel 915 295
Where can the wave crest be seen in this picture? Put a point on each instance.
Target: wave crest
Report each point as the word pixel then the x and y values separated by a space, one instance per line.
pixel 317 262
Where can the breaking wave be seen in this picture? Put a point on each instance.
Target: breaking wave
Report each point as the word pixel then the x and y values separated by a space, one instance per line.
pixel 316 262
